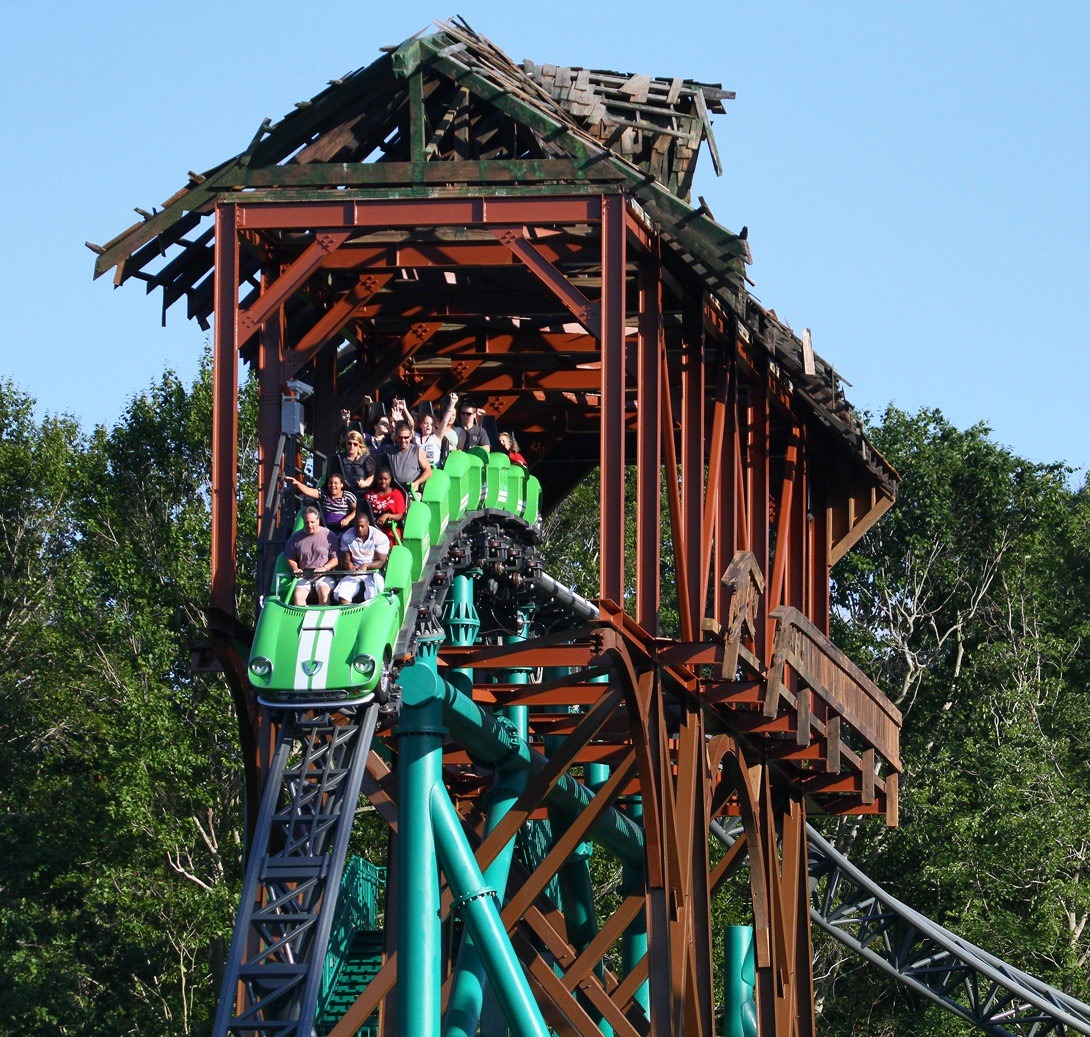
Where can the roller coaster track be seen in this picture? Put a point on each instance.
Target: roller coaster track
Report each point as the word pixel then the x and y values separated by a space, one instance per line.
pixel 931 961
pixel 293 873
pixel 274 969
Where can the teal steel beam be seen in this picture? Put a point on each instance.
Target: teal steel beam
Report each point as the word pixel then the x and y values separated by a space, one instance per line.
pixel 468 984
pixel 475 903
pixel 740 1008
pixel 420 772
pixel 493 744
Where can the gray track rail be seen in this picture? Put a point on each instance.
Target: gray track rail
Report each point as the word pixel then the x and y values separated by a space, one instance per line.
pixel 993 996
pixel 293 875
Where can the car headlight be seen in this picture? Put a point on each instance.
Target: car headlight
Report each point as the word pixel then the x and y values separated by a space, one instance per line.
pixel 366 664
pixel 260 666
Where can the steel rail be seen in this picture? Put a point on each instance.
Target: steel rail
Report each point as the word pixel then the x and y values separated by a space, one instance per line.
pixel 985 991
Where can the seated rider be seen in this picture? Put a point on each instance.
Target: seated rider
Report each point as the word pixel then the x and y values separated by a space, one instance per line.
pixel 386 501
pixel 509 445
pixel 309 553
pixel 338 505
pixel 408 462
pixel 355 464
pixel 364 550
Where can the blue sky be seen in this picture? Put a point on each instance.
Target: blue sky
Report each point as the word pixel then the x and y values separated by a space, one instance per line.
pixel 914 176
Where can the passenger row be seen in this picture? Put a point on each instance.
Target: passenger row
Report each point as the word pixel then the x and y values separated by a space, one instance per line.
pixel 354 547
pixel 367 492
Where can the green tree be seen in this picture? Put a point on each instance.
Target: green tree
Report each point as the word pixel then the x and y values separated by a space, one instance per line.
pixel 962 605
pixel 123 802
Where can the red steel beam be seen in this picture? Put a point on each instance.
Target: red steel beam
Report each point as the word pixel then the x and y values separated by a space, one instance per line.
pixel 649 346
pixel 583 309
pixel 333 321
pixel 419 212
pixel 692 459
pixel 225 409
pixel 611 450
pixel 277 293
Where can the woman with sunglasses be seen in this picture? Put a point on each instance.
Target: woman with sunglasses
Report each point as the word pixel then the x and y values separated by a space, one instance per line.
pixel 355 463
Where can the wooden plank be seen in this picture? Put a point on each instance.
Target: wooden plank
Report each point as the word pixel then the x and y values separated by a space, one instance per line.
pixel 637 87
pixel 338 174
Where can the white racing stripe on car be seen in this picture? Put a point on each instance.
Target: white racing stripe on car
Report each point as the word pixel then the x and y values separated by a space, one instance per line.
pixel 315 646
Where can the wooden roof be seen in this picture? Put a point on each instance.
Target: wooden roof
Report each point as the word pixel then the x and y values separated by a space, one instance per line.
pixel 491 125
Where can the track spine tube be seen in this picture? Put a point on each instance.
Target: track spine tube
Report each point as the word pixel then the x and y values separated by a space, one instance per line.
pixel 420 773
pixel 475 902
pixel 468 984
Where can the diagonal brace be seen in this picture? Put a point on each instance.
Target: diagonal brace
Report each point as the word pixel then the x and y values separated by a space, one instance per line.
pixel 586 311
pixel 325 242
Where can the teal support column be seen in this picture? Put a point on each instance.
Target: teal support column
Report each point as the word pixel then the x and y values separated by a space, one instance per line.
pixel 468 984
pixel 420 774
pixel 460 617
pixel 740 977
pixel 577 888
pixel 475 903
pixel 634 939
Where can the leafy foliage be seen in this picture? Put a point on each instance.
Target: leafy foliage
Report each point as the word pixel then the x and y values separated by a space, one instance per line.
pixel 968 605
pixel 122 875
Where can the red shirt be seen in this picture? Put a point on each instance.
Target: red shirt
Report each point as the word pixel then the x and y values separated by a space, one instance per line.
pixel 393 500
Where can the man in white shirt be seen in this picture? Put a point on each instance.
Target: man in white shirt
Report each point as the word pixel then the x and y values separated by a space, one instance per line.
pixel 364 550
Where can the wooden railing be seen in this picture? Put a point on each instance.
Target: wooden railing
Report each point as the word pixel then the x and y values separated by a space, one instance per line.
pixel 849 695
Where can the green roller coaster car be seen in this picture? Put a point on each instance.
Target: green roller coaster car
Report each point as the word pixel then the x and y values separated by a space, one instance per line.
pixel 328 656
pixel 317 656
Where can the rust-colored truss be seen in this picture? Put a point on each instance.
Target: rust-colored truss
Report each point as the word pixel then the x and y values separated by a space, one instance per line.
pixel 565 315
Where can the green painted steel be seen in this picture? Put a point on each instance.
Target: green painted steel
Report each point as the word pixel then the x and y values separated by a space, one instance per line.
pixel 464 471
pixel 437 497
pixel 361 964
pixel 468 984
pixel 474 901
pixel 517 478
pixel 532 504
pixel 416 537
pixel 419 772
pixel 331 652
pixel 740 978
pixel 495 491
pixel 460 617
pixel 355 943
